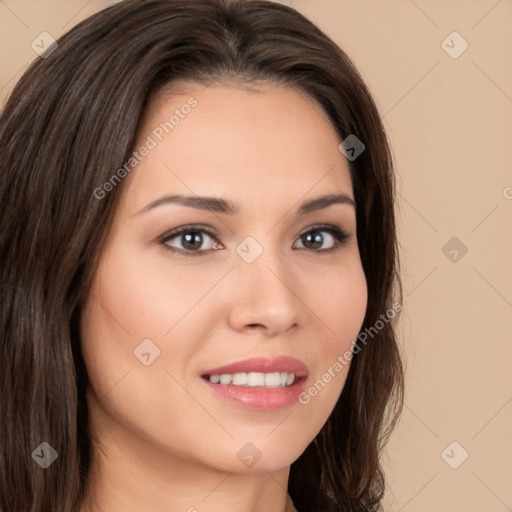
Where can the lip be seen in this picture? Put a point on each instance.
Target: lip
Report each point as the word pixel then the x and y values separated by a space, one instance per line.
pixel 259 397
pixel 262 365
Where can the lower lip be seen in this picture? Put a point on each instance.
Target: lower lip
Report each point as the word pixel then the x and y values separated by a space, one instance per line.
pixel 259 397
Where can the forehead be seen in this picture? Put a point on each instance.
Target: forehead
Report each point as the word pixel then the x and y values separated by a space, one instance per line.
pixel 264 142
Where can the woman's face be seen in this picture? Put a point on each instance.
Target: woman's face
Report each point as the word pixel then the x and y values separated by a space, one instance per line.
pixel 260 282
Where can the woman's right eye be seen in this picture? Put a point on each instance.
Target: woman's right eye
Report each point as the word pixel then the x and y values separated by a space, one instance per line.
pixel 191 240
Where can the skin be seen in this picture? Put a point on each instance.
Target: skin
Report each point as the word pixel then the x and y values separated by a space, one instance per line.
pixel 161 439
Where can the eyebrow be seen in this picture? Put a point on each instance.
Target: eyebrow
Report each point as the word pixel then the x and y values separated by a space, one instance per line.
pixel 217 205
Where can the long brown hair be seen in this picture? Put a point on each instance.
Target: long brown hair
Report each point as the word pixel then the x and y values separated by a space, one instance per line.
pixel 70 122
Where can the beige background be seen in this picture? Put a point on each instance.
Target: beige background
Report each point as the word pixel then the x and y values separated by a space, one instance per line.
pixel 450 124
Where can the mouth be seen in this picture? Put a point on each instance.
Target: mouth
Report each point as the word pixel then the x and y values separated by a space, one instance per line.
pixel 259 383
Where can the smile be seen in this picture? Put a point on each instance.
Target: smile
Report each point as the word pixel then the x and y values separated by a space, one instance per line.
pixel 258 383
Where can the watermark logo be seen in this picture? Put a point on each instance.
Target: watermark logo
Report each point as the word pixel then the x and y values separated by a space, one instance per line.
pixel 454 45
pixel 249 249
pixel 351 147
pixel 146 352
pixel 249 454
pixel 454 249
pixel 44 45
pixel 45 455
pixel 454 455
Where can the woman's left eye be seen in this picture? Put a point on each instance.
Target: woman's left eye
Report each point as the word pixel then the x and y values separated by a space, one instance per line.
pixel 314 237
pixel 191 239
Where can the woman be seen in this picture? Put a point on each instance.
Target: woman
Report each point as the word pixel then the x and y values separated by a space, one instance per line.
pixel 264 375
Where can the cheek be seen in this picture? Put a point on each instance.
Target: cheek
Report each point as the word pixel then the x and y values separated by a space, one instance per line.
pixel 131 306
pixel 141 298
pixel 340 305
pixel 135 299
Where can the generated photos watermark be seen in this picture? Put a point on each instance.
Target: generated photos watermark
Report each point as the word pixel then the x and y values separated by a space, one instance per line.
pixel 344 360
pixel 151 142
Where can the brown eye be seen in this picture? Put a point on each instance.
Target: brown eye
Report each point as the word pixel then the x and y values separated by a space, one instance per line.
pixel 315 238
pixel 190 241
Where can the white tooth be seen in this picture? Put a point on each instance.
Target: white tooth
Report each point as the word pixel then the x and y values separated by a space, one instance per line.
pixel 272 380
pixel 226 378
pixel 255 379
pixel 240 379
pixel 252 379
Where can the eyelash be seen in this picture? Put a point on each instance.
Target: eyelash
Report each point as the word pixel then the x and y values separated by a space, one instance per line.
pixel 340 237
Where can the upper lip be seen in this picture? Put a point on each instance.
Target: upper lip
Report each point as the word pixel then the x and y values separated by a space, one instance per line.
pixel 262 365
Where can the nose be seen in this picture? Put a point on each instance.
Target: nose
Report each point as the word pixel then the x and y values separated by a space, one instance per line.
pixel 264 295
